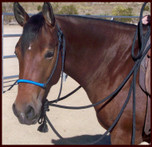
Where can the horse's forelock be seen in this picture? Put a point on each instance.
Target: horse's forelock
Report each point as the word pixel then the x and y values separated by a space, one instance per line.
pixel 31 31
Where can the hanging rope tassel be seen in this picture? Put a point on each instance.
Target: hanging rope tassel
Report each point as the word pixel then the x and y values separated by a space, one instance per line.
pixel 42 120
pixel 43 127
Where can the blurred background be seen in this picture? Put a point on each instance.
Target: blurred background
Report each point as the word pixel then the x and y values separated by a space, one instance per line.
pixel 84 8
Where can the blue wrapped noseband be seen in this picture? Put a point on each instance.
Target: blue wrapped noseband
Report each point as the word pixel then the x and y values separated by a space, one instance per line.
pixel 31 82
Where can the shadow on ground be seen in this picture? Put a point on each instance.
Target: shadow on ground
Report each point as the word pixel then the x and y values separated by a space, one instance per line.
pixel 83 140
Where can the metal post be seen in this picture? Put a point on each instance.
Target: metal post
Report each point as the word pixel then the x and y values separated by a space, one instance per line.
pixel 2 48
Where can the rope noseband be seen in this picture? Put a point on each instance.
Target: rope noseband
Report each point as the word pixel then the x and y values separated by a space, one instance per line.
pixel 31 82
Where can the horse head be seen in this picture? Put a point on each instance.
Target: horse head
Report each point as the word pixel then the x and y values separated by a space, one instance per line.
pixel 36 51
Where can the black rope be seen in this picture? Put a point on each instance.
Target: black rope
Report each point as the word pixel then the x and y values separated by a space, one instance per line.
pixel 143 39
pixel 62 66
pixel 11 87
pixel 108 97
pixel 138 58
pixel 111 127
pixel 60 37
pixel 47 103
pixel 64 97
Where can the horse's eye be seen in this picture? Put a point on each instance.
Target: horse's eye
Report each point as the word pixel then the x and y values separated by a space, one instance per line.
pixel 49 55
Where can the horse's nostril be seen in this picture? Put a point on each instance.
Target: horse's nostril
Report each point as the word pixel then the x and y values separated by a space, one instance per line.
pixel 30 114
pixel 14 110
pixel 13 107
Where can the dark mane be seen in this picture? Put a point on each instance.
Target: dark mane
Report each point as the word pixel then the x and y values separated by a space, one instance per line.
pixel 98 19
pixel 31 30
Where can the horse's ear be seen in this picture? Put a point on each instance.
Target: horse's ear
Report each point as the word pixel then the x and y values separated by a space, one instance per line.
pixel 48 14
pixel 20 14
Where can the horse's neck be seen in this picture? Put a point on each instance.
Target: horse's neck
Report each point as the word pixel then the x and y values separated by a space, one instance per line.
pixel 94 50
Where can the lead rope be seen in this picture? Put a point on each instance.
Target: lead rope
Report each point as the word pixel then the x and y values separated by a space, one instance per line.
pixel 142 44
pixel 11 87
pixel 141 54
pixel 47 104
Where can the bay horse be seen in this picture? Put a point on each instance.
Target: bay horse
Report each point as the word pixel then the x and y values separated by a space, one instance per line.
pixel 98 57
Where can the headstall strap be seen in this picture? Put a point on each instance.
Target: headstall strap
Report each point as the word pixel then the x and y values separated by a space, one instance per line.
pixel 42 120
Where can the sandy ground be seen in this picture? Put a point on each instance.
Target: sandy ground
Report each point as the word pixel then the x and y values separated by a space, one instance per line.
pixel 76 126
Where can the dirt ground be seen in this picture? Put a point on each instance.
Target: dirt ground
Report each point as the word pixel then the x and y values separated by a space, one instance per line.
pixel 76 126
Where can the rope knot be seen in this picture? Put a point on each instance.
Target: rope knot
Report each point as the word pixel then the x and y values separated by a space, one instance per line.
pixel 46 106
pixel 42 120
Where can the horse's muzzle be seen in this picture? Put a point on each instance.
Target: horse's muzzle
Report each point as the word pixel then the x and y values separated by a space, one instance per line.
pixel 28 117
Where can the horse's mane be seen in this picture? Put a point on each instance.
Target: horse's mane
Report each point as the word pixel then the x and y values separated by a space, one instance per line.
pixel 97 19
